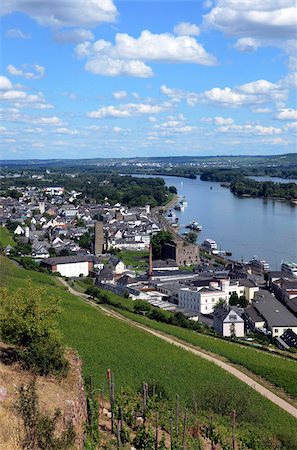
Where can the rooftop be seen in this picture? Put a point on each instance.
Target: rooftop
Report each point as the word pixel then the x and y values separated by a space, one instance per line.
pixel 274 312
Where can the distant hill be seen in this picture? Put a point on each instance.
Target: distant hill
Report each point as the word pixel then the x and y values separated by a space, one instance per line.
pixel 242 160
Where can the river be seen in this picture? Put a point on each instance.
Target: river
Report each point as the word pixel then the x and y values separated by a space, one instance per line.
pixel 244 226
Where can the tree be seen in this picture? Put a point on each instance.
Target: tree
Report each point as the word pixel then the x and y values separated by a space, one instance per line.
pixel 233 300
pixel 172 189
pixel 28 322
pixel 191 237
pixel 220 303
pixel 243 302
pixel 158 240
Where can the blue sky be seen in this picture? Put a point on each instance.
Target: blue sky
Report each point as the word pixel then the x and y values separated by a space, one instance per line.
pixel 101 78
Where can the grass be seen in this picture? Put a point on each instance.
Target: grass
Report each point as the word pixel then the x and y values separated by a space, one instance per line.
pixel 5 237
pixel 135 259
pixel 135 356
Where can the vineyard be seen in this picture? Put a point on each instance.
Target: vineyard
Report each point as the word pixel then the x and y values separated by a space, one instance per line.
pixel 135 356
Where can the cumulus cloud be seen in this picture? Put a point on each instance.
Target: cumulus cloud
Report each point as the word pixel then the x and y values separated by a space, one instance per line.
pixel 64 13
pixel 119 95
pixel 115 67
pixel 5 83
pixel 74 36
pixel 16 33
pixel 35 73
pixel 246 45
pixel 53 120
pixel 126 110
pixel 287 114
pixel 253 94
pixel 186 29
pixel 223 120
pixel 20 98
pixel 254 18
pixel 176 95
pixel 128 55
pixel 251 129
pixel 64 130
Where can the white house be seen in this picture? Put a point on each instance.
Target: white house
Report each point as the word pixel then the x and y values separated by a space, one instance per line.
pixel 19 230
pixel 201 299
pixel 70 266
pixel 227 322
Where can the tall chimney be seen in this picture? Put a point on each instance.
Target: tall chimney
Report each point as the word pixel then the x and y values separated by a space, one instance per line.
pixel 151 261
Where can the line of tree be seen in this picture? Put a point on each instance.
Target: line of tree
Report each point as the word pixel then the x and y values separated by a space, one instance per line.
pixel 240 185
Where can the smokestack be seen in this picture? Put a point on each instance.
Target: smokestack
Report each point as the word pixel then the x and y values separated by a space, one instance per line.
pixel 151 261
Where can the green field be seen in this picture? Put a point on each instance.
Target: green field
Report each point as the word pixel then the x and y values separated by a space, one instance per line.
pixel 135 259
pixel 135 356
pixel 280 371
pixel 5 238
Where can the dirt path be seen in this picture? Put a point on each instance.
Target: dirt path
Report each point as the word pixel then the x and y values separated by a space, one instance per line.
pixel 227 367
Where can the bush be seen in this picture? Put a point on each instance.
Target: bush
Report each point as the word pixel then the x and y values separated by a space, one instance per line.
pixel 25 322
pixel 44 357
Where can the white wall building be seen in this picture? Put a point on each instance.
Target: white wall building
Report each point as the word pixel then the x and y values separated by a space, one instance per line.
pixel 70 266
pixel 227 322
pixel 200 299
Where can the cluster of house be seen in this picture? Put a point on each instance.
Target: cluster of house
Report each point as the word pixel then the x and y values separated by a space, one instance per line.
pixel 51 218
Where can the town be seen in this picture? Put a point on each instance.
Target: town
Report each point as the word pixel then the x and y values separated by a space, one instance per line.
pixel 66 233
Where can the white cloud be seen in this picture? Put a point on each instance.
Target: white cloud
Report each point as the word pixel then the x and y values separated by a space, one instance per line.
pixel 119 95
pixel 65 130
pixel 36 72
pixel 64 13
pixel 176 95
pixel 115 67
pixel 287 114
pixel 5 83
pixel 223 120
pixel 186 29
pixel 16 33
pixel 128 55
pixel 126 110
pixel 246 44
pixel 291 126
pixel 74 36
pixel 54 120
pixel 254 18
pixel 251 129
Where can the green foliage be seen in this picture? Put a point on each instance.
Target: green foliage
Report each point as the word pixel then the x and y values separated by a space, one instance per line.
pixel 144 439
pixel 21 249
pixel 233 299
pixel 158 240
pixel 26 322
pixel 40 430
pixel 172 189
pixel 191 237
pixel 280 371
pixel 5 238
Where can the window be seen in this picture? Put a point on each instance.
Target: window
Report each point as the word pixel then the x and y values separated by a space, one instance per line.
pixel 232 317
pixel 276 330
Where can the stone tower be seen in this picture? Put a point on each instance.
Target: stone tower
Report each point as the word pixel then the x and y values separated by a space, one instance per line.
pixel 99 238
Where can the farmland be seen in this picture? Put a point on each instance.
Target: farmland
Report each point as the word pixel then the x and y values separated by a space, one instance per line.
pixel 279 371
pixel 135 356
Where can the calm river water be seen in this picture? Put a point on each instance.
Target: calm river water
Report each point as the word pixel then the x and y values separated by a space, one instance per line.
pixel 245 226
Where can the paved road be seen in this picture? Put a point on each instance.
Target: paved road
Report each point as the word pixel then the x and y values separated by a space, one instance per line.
pixel 227 367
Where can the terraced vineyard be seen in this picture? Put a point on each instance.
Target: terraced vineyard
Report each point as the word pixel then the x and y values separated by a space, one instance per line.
pixel 280 371
pixel 135 356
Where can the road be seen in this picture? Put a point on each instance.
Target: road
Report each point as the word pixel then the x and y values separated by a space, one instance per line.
pixel 212 358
